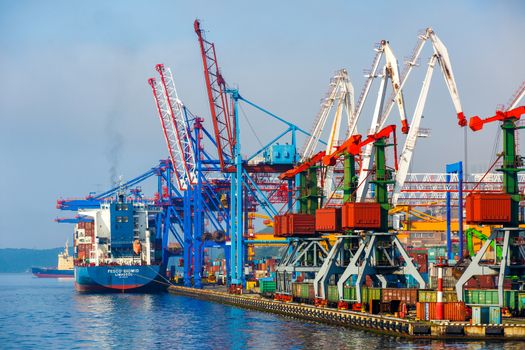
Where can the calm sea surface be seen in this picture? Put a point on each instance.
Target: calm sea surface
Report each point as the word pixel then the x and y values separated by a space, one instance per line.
pixel 49 314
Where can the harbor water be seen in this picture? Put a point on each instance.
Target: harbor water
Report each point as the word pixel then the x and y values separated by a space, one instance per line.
pixel 49 314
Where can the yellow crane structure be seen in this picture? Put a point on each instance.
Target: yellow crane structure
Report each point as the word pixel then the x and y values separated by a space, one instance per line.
pixel 260 236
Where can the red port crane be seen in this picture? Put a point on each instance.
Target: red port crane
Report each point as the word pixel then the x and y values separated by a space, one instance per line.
pixel 221 107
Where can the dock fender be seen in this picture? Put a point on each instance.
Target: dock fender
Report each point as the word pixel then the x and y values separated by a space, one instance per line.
pixel 497 331
pixel 421 329
pixel 454 330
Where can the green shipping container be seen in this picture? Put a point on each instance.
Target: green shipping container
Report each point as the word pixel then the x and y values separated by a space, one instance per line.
pixel 306 291
pixel 369 294
pixel 333 296
pixel 267 286
pixel 490 297
pixel 521 301
pixel 349 293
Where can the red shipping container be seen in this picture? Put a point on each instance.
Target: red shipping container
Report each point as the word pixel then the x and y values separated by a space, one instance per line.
pixel 280 225
pixel 277 225
pixel 488 208
pixel 405 295
pixel 328 220
pixel 361 216
pixel 300 225
pixel 486 282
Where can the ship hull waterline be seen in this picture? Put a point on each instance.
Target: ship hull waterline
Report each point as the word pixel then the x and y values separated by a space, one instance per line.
pixel 120 279
pixel 42 272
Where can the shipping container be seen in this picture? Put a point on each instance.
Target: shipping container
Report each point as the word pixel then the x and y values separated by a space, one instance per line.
pixel 452 311
pixel 490 297
pixel 369 294
pixel 521 301
pixel 266 286
pixel 488 208
pixel 449 282
pixel 480 315
pixel 430 296
pixel 303 291
pixel 333 295
pixel 404 295
pixel 328 220
pixel 296 290
pixel 277 225
pixel 349 293
pixel 361 216
pixel 300 225
pixel 494 315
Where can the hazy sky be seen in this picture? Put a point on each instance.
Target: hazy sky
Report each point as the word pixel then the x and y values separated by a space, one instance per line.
pixel 76 108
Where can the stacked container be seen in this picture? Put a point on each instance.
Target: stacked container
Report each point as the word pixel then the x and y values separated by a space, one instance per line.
pixel 291 225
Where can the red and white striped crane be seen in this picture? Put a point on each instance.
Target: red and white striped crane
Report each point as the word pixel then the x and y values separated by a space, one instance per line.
pixel 221 107
pixel 175 127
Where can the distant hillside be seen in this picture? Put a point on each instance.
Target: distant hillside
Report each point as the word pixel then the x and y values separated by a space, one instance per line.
pixel 21 260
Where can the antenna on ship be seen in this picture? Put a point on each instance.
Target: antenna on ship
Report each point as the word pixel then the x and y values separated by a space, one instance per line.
pixel 66 253
pixel 121 192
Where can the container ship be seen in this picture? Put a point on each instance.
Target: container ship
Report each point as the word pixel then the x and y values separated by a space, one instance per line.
pixel 118 251
pixel 63 270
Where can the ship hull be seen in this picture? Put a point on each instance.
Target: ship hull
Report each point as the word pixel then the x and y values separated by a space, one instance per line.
pixel 125 279
pixel 46 272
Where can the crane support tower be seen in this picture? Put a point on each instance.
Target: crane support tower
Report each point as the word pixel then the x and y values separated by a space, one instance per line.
pixel 374 253
pixel 511 238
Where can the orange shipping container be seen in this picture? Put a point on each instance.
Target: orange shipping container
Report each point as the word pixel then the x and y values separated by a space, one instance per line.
pixel 328 220
pixel 453 311
pixel 488 208
pixel 361 216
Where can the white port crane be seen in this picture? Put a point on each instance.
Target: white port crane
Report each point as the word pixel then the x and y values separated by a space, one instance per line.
pixel 341 95
pixel 516 98
pixel 390 72
pixel 441 57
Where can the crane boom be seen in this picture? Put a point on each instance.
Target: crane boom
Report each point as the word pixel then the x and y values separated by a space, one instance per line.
pixel 219 102
pixel 390 72
pixel 186 162
pixel 342 92
pixel 441 56
pixel 410 143
pixel 168 130
pixel 444 61
pixel 441 52
pixel 516 98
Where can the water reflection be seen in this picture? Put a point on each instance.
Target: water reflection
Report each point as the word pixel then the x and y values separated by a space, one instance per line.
pixel 50 314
